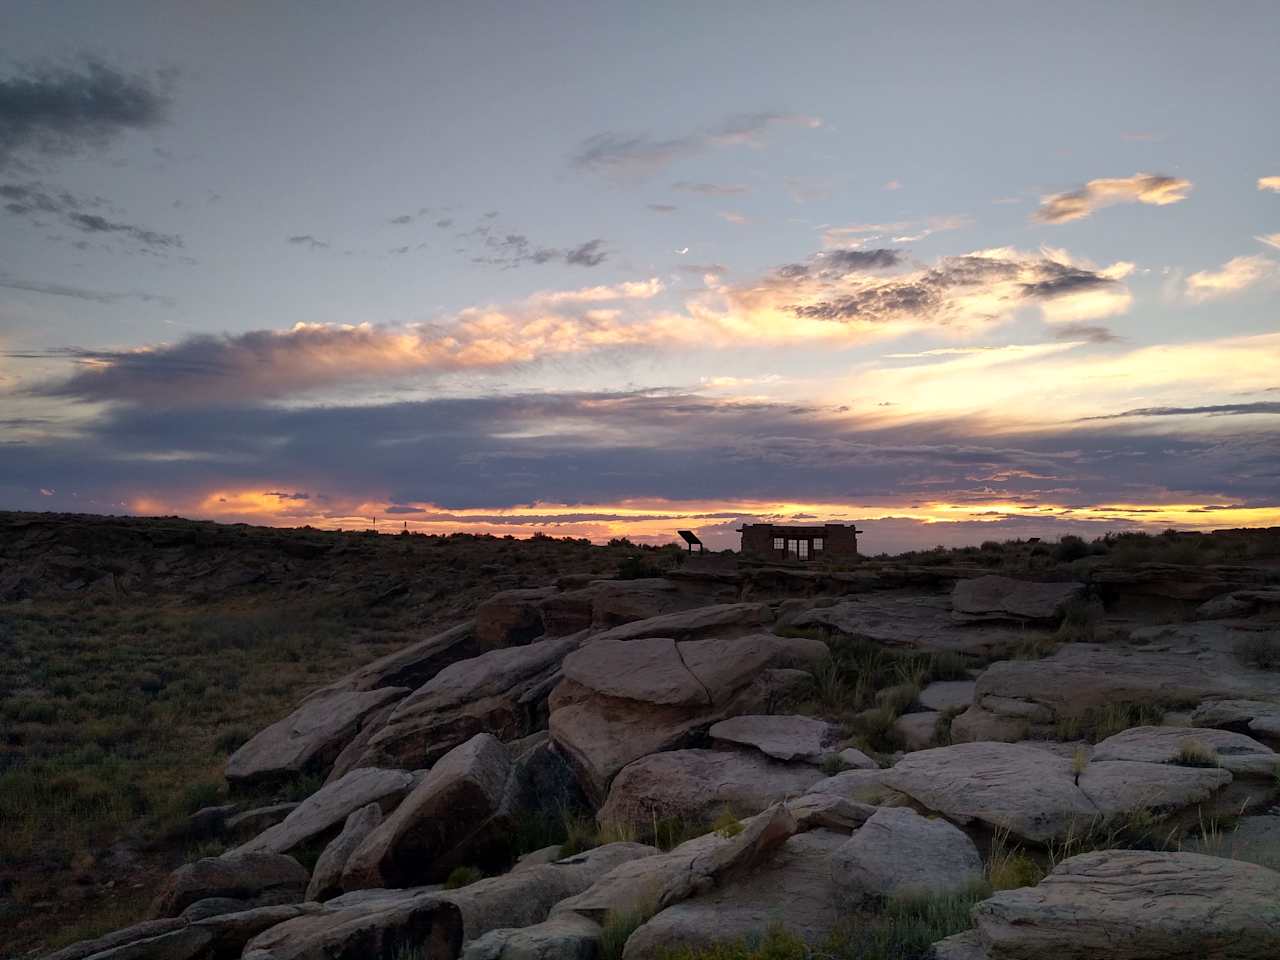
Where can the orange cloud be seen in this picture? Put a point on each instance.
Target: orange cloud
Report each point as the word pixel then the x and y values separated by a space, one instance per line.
pixel 1155 189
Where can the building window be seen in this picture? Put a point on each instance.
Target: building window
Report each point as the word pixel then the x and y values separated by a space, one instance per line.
pixel 779 543
pixel 804 549
pixel 817 544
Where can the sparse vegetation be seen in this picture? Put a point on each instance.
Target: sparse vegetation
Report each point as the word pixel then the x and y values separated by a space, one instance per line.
pixel 618 927
pixel 460 877
pixel 1097 723
pixel 1080 621
pixel 1196 753
pixel 1009 866
pixel 727 825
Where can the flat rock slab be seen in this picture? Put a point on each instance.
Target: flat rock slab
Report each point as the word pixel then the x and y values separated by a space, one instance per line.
pixel 329 806
pixel 716 619
pixel 861 786
pixel 996 597
pixel 952 695
pixel 1259 717
pixel 898 852
pixel 923 623
pixel 699 784
pixel 261 877
pixel 1033 793
pixel 792 738
pixel 793 888
pixel 310 737
pixel 1137 905
pixel 1241 755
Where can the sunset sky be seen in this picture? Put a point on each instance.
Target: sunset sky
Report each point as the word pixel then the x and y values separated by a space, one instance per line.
pixel 956 271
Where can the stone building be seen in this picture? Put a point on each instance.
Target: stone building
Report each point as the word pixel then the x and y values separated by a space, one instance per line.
pixel 768 541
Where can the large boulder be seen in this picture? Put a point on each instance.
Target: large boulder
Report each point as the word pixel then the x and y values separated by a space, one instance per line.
pixel 698 785
pixel 1242 755
pixel 326 877
pixel 379 923
pixel 995 597
pixel 952 695
pixel 916 622
pixel 860 786
pixel 511 618
pixel 803 739
pixel 414 665
pixel 1034 794
pixel 310 738
pixel 502 692
pixel 898 852
pixel 259 878
pixel 457 815
pixel 1137 905
pixel 622 700
pixel 721 619
pixel 793 888
pixel 328 807
pixel 610 603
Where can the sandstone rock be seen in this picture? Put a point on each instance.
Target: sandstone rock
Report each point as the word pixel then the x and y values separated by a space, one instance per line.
pixel 502 692
pixel 511 618
pixel 977 723
pixel 568 936
pixel 374 923
pixel 456 815
pixel 721 619
pixel 147 931
pixel 599 734
pixel 414 665
pixel 610 603
pixel 329 806
pixel 1241 603
pixel 310 738
pixel 917 731
pixel 999 598
pixel 326 878
pixel 862 786
pixel 802 739
pixel 352 755
pixel 229 932
pixel 210 821
pixel 699 784
pixel 947 695
pixel 265 878
pixel 650 670
pixel 1252 839
pixel 1256 716
pixel 1033 793
pixel 793 888
pixel 917 622
pixel 829 811
pixel 250 823
pixel 898 852
pixel 1242 755
pixel 961 946
pixel 1137 905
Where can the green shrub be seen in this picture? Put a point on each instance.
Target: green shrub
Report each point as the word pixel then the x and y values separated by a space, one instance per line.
pixel 778 943
pixel 617 929
pixel 1196 753
pixel 905 928
pixel 460 877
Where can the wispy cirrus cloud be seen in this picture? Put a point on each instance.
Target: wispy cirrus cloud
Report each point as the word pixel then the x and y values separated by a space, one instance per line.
pixel 308 241
pixel 80 293
pixel 637 156
pixel 36 201
pixel 1149 188
pixel 900 231
pixel 711 189
pixel 1236 275
pixel 65 111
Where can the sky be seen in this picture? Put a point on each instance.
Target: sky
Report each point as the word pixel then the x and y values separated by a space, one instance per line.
pixel 953 271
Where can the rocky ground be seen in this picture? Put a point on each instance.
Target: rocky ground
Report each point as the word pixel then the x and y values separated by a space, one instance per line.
pixel 1016 752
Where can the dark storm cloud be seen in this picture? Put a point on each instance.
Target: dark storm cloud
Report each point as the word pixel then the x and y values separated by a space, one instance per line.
pixel 308 241
pixel 632 156
pixel 63 112
pixel 1217 410
pixel 494 452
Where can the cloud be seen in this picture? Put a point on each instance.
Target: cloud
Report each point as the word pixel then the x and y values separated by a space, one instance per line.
pixel 402 219
pixel 79 293
pixel 510 250
pixel 1269 183
pixel 36 200
pixel 1270 239
pixel 1090 333
pixel 662 207
pixel 702 269
pixel 892 185
pixel 588 254
pixel 64 112
pixel 901 231
pixel 637 156
pixel 1236 275
pixel 1219 410
pixel 735 218
pixel 1156 189
pixel 712 189
pixel 308 241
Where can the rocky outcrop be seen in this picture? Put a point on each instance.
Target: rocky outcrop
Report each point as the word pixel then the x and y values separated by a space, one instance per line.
pixel 1259 717
pixel 793 887
pixel 329 806
pixel 1002 598
pixel 1035 795
pixel 698 785
pixel 310 738
pixel 953 695
pixel 326 878
pixel 1241 755
pixel 794 738
pixel 610 603
pixel 916 731
pixel 1137 905
pixel 722 619
pixel 259 878
pixel 511 618
pixel 373 923
pixel 414 665
pixel 918 622
pixel 861 786
pixel 458 814
pixel 898 852
pixel 502 692
pixel 622 700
